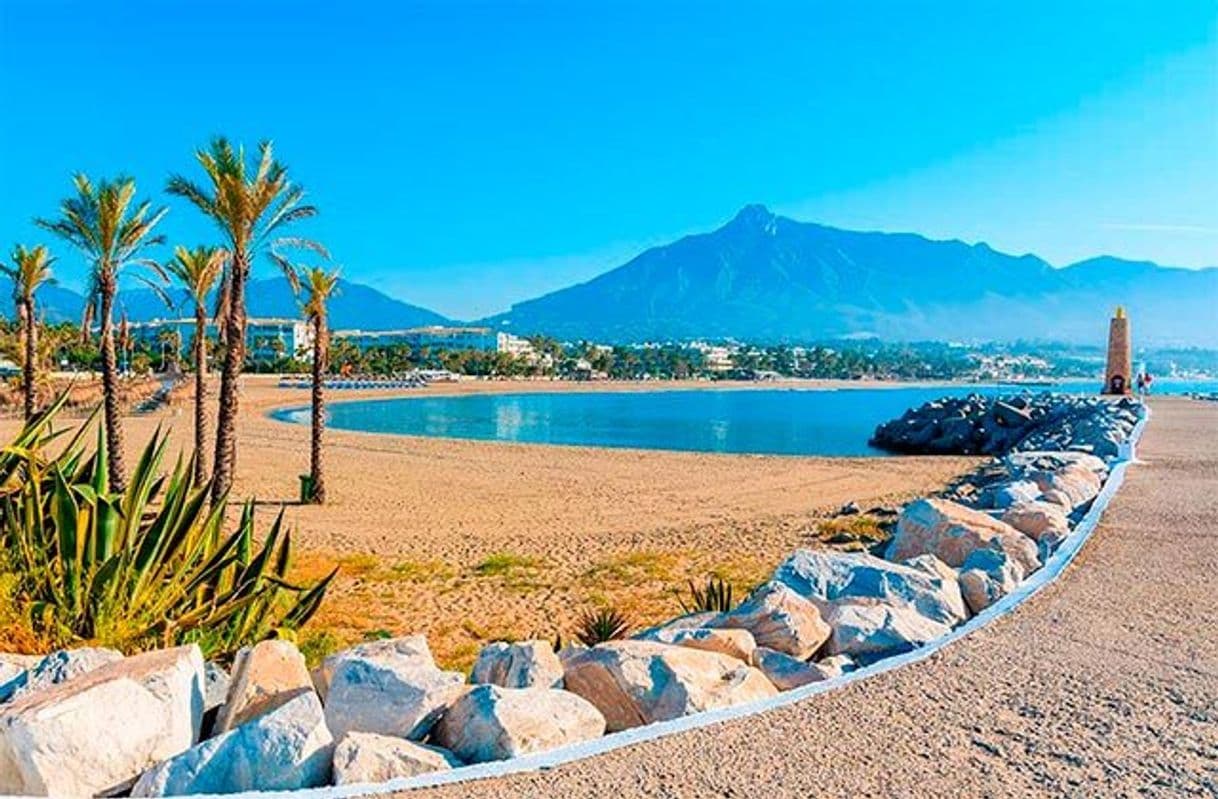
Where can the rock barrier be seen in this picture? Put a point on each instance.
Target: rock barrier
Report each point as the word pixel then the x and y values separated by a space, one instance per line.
pixel 384 710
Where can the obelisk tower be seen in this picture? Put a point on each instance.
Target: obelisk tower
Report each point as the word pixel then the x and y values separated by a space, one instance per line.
pixel 1118 376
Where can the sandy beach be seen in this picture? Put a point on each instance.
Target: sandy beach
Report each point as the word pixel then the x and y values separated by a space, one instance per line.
pixel 472 541
pixel 1103 684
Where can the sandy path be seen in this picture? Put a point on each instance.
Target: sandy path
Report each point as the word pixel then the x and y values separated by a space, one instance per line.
pixel 469 541
pixel 1104 684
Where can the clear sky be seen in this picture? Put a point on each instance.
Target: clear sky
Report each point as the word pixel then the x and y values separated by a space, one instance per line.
pixel 469 155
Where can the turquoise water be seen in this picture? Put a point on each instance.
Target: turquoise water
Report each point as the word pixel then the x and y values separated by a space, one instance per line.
pixel 777 421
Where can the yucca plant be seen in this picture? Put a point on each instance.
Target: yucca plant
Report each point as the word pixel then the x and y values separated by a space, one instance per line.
pixel 149 566
pixel 598 626
pixel 716 597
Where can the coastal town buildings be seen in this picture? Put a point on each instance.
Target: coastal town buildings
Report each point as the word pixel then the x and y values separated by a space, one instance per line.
pixel 266 338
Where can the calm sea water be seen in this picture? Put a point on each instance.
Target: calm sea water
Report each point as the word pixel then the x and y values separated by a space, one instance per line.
pixel 778 421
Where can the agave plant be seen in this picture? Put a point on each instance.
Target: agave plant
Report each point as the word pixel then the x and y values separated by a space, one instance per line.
pixel 149 566
pixel 598 626
pixel 716 597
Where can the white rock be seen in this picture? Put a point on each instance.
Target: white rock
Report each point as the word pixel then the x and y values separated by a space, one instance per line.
pixel 639 682
pixel 368 758
pixel 836 665
pixel 58 667
pixel 391 690
pixel 779 619
pixel 527 664
pixel 265 675
pixel 1039 521
pixel 408 648
pixel 928 587
pixel 870 629
pixel 734 643
pixel 284 750
pixel 785 671
pixel 987 576
pixel 1004 495
pixel 493 723
pixel 97 732
pixel 1073 480
pixel 950 532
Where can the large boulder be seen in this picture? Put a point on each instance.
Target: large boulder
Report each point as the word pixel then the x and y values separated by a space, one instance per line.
pixel 97 732
pixel 57 667
pixel 391 688
pixel 950 532
pixel 407 648
pixel 785 671
pixel 264 676
pixel 1077 482
pixel 494 723
pixel 528 664
pixel 734 643
pixel 285 749
pixel 1008 493
pixel 366 758
pixel 779 619
pixel 824 576
pixel 869 629
pixel 987 576
pixel 1040 521
pixel 639 682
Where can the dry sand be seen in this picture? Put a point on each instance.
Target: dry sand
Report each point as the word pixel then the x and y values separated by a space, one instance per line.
pixel 1104 684
pixel 471 541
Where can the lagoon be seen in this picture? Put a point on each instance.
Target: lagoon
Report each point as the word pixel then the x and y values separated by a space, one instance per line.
pixel 779 421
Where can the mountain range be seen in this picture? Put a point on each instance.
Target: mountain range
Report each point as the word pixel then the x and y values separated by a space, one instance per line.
pixel 766 278
pixel 354 306
pixel 763 277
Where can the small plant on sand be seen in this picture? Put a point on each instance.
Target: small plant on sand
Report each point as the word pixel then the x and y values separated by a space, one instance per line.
pixel 715 597
pixel 847 529
pixel 502 563
pixel 145 567
pixel 598 626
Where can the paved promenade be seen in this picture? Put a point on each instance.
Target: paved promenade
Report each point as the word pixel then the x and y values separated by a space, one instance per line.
pixel 1104 684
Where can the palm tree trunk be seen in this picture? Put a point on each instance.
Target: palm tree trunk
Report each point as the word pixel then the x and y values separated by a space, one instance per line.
pixel 31 348
pixel 113 420
pixel 225 462
pixel 200 395
pixel 318 429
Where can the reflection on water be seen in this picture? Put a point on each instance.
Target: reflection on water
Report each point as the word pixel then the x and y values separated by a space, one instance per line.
pixel 781 421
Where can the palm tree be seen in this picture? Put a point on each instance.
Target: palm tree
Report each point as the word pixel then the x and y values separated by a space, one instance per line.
pixel 102 222
pixel 197 270
pixel 29 270
pixel 315 286
pixel 249 209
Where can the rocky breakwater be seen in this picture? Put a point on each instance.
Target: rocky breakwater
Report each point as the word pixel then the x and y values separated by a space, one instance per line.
pixel 91 722
pixel 979 425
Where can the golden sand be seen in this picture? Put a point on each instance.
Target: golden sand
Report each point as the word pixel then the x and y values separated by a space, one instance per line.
pixel 471 541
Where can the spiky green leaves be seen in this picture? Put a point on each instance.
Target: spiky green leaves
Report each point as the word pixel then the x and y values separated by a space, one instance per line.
pixel 146 567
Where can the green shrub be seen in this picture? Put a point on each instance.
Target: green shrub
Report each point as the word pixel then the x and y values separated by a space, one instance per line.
pixel 598 626
pixel 716 597
pixel 147 567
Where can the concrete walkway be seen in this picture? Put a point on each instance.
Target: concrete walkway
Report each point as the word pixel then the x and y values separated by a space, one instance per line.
pixel 1104 684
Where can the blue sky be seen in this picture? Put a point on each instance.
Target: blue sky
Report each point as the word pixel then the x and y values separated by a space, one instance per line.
pixel 469 155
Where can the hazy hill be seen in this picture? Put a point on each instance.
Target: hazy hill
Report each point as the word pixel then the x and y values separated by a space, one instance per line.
pixel 768 278
pixel 355 306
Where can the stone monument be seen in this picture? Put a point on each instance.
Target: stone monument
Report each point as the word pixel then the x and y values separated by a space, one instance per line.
pixel 1118 376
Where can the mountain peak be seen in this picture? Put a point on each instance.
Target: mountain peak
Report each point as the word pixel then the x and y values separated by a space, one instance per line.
pixel 756 216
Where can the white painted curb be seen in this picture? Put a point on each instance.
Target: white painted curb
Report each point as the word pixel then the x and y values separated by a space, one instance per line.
pixel 542 761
